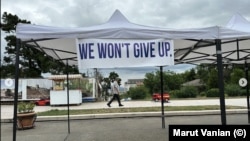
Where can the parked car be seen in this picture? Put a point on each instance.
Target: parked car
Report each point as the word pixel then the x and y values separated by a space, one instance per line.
pixel 43 102
pixel 157 97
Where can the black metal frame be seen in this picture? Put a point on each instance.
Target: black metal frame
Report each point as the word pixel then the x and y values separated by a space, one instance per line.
pixel 220 79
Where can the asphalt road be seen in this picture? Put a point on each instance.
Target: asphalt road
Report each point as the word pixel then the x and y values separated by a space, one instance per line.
pixel 113 129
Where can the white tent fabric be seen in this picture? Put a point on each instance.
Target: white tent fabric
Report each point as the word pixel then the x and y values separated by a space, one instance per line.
pixel 235 48
pixel 239 23
pixel 119 27
pixel 194 46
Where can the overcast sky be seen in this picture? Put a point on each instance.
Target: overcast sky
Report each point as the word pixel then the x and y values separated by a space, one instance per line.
pixel 159 13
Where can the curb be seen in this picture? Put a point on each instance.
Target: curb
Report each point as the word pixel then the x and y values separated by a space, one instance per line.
pixel 132 115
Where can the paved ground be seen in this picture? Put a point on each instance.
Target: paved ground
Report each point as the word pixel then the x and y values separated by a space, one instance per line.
pixel 7 110
pixel 113 129
pixel 122 127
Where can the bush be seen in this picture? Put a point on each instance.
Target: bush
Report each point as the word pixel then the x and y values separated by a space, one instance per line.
pixel 243 92
pixel 25 107
pixel 186 92
pixel 138 92
pixel 233 90
pixel 214 92
pixel 173 93
pixel 202 94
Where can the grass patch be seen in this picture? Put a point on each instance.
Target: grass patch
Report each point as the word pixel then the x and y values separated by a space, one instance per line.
pixel 57 112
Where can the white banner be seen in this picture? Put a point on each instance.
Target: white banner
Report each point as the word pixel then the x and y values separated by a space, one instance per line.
pixel 112 53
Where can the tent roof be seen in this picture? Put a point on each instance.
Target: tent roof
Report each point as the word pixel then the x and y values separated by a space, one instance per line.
pixel 117 27
pixel 193 46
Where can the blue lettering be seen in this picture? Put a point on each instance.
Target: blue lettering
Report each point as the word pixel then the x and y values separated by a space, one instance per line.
pixel 109 50
pixel 167 47
pixel 127 45
pixel 136 50
pixel 118 50
pixel 164 48
pixel 144 49
pixel 85 50
pixel 152 49
pixel 101 50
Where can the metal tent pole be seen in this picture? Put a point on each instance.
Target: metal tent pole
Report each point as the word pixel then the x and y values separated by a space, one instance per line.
pixel 220 81
pixel 162 100
pixel 247 88
pixel 67 71
pixel 18 44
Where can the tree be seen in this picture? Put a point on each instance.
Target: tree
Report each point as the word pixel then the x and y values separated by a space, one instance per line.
pixel 171 81
pixel 190 75
pixel 203 72
pixel 150 82
pixel 138 92
pixel 212 81
pixel 236 75
pixel 32 61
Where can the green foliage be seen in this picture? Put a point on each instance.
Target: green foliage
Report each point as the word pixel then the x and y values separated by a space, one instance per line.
pixel 173 93
pixel 214 92
pixel 176 94
pixel 25 107
pixel 171 81
pixel 233 90
pixel 190 75
pixel 203 72
pixel 190 91
pixel 150 82
pixel 138 92
pixel 213 79
pixel 236 75
pixel 187 92
pixel 113 75
pixel 202 94
pixel 243 92
pixel 184 92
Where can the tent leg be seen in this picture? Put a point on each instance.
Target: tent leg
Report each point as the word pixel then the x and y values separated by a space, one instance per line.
pixel 67 71
pixel 220 81
pixel 162 100
pixel 247 88
pixel 18 44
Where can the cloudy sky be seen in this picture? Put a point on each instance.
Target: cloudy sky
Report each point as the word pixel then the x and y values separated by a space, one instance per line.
pixel 159 13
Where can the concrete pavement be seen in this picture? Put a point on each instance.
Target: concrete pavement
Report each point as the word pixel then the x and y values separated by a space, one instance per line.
pixel 7 110
pixel 118 126
pixel 113 129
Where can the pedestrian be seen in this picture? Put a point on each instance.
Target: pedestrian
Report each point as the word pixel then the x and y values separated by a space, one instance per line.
pixel 115 92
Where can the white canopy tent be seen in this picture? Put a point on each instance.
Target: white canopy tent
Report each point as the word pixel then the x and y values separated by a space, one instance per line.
pixel 191 45
pixel 235 45
pixel 196 46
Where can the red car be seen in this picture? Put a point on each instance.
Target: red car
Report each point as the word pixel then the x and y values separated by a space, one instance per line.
pixel 43 102
pixel 157 97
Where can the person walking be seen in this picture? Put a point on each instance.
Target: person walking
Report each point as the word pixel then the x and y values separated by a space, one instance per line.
pixel 115 92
